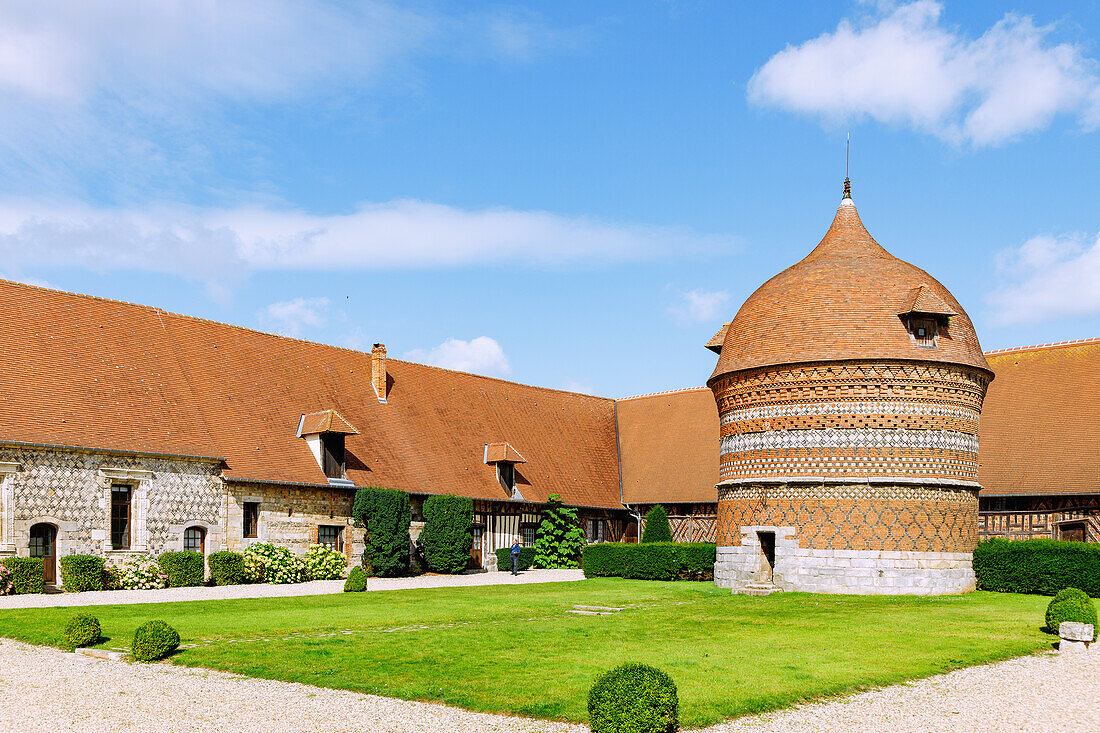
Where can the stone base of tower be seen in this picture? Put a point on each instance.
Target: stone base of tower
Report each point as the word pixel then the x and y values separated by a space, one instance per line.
pixel 869 536
pixel 866 572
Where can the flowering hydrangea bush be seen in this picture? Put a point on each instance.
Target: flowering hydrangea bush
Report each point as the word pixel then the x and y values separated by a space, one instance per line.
pixel 280 565
pixel 6 586
pixel 141 572
pixel 325 564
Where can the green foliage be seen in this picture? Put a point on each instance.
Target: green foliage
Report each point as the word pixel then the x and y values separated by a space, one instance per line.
pixel 82 630
pixel 6 586
pixel 227 568
pixel 276 565
pixel 357 580
pixel 82 572
pixel 559 539
pixel 154 640
pixel 633 698
pixel 184 569
pixel 26 574
pixel 384 515
pixel 654 561
pixel 1043 567
pixel 447 537
pixel 1070 604
pixel 656 526
pixel 323 563
pixel 526 558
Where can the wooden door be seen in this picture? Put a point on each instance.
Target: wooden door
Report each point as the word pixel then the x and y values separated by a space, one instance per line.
pixel 44 545
pixel 475 549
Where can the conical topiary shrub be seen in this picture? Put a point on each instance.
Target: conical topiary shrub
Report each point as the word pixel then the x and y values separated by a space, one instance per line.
pixel 656 526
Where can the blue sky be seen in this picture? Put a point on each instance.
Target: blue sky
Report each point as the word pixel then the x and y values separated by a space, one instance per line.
pixel 570 194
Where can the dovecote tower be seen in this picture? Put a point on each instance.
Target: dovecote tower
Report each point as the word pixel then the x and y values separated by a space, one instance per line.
pixel 849 388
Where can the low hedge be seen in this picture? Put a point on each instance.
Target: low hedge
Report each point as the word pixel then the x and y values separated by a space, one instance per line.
pixel 184 569
pixel 82 630
pixel 155 640
pixel 82 572
pixel 652 561
pixel 526 558
pixel 227 568
pixel 1041 567
pixel 26 574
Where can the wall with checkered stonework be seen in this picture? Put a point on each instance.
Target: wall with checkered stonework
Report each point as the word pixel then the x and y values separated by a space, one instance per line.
pixel 71 490
pixel 291 515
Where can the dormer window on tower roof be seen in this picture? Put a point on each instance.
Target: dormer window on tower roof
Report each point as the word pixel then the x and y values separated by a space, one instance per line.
pixel 924 314
pixel 324 433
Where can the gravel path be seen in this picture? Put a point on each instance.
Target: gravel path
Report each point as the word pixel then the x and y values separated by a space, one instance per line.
pixel 263 590
pixel 1053 693
pixel 1046 692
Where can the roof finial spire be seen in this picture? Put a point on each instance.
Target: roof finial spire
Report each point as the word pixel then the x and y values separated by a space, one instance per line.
pixel 847 183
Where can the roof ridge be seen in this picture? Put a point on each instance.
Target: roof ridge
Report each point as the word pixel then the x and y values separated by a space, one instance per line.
pixel 286 338
pixel 501 379
pixel 658 394
pixel 1054 345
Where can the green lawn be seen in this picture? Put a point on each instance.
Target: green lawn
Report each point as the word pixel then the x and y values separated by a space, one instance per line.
pixel 514 649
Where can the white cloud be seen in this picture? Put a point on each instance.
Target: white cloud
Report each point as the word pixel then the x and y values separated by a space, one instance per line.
pixel 1047 278
pixel 581 387
pixel 903 66
pixel 217 246
pixel 700 306
pixel 130 88
pixel 481 355
pixel 293 317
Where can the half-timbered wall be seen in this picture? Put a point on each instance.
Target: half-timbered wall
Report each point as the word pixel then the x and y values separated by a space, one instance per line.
pixel 1035 517
pixel 688 522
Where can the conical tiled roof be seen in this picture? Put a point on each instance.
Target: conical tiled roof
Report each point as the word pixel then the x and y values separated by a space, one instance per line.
pixel 844 301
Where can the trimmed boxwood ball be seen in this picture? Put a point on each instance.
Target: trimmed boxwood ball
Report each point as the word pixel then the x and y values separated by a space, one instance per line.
pixel 154 640
pixel 633 698
pixel 82 630
pixel 357 580
pixel 1070 604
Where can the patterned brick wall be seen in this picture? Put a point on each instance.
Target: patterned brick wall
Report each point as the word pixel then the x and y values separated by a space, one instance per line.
pixel 71 490
pixel 888 517
pixel 906 419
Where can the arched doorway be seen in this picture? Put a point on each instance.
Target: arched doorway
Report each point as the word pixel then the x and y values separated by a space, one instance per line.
pixel 194 540
pixel 44 545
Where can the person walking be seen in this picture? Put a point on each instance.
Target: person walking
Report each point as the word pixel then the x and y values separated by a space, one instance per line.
pixel 515 555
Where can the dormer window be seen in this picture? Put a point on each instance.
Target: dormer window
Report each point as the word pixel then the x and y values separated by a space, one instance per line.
pixel 925 315
pixel 505 458
pixel 324 433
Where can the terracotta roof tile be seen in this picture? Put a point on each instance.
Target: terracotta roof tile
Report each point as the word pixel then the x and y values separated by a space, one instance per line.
pixel 1040 430
pixel 327 421
pixel 668 445
pixel 922 300
pixel 841 302
pixel 103 374
pixel 502 453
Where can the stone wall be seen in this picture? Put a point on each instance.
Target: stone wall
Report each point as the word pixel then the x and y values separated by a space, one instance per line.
pixel 290 516
pixel 71 490
pixel 871 572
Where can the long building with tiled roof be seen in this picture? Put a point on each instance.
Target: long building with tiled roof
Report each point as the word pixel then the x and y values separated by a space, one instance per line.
pixel 126 428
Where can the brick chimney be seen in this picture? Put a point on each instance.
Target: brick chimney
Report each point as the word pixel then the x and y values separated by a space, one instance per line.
pixel 378 371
